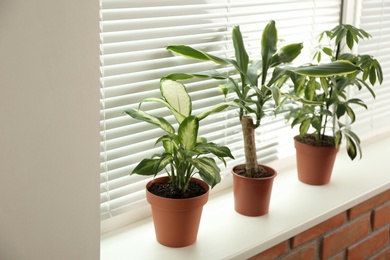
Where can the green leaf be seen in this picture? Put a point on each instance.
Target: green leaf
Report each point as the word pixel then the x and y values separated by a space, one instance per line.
pixel 304 126
pixel 339 67
pixel 353 144
pixel 351 148
pixel 350 113
pixel 268 47
pixel 157 121
pixel 147 167
pixel 350 40
pixel 188 132
pixel 276 94
pixel 175 94
pixel 357 102
pixel 239 48
pixel 340 111
pixel 324 85
pixel 286 54
pixel 310 89
pixel 372 75
pixel 337 138
pixel 316 123
pixel 327 51
pixel 217 108
pixel 220 151
pixel 192 53
pixel 208 170
pixel 195 54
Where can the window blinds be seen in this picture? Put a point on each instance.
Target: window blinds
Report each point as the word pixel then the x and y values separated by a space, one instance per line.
pixel 134 35
pixel 375 19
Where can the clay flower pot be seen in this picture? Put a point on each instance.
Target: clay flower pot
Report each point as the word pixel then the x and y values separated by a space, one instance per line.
pixel 252 195
pixel 315 163
pixel 176 221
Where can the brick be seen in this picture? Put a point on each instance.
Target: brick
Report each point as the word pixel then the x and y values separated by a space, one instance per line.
pixel 318 230
pixel 345 236
pixel 384 255
pixel 306 252
pixel 369 246
pixel 369 204
pixel 381 216
pixel 339 256
pixel 273 252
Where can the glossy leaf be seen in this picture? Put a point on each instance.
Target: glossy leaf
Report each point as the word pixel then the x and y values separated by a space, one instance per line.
pixel 304 126
pixel 217 150
pixel 177 97
pixel 157 121
pixel 340 67
pixel 188 132
pixel 239 48
pixel 268 47
pixel 193 53
pixel 208 170
pixel 147 167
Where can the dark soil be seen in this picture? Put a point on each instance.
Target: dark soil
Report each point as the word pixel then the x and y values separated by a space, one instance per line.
pixel 261 173
pixel 311 140
pixel 166 190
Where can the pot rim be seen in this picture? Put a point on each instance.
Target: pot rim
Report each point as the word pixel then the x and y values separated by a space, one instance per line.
pixel 200 181
pixel 270 169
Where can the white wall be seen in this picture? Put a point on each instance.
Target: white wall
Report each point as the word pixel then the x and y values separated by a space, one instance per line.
pixel 49 129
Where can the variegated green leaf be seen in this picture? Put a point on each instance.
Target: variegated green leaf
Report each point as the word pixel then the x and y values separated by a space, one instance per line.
pixel 158 121
pixel 147 167
pixel 304 126
pixel 208 170
pixel 175 94
pixel 188 132
pixel 340 67
pixel 218 150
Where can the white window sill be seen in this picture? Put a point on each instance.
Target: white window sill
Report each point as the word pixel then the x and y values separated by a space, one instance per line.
pixel 295 207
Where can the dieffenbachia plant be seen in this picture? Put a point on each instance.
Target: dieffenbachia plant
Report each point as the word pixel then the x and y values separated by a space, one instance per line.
pixel 185 153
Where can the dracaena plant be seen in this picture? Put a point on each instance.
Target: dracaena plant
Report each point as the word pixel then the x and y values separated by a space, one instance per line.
pixel 324 89
pixel 185 153
pixel 256 84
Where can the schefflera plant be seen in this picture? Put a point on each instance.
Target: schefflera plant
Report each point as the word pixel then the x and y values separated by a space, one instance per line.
pixel 254 88
pixel 185 153
pixel 324 89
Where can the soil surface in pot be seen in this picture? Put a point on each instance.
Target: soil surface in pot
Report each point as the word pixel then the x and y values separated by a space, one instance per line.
pixel 166 190
pixel 261 173
pixel 311 140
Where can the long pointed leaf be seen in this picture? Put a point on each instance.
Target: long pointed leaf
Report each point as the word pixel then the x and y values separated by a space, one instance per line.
pixel 218 150
pixel 193 53
pixel 340 67
pixel 239 47
pixel 158 121
pixel 217 108
pixel 268 47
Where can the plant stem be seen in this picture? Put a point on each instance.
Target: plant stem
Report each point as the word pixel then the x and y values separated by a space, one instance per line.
pixel 248 131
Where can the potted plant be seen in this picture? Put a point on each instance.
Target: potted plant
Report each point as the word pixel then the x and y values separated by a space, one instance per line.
pixel 326 110
pixel 177 199
pixel 252 182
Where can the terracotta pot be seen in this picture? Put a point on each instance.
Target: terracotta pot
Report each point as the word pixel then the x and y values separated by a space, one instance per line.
pixel 176 221
pixel 252 195
pixel 314 163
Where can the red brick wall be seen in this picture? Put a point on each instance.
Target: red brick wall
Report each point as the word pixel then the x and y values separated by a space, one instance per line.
pixel 362 232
